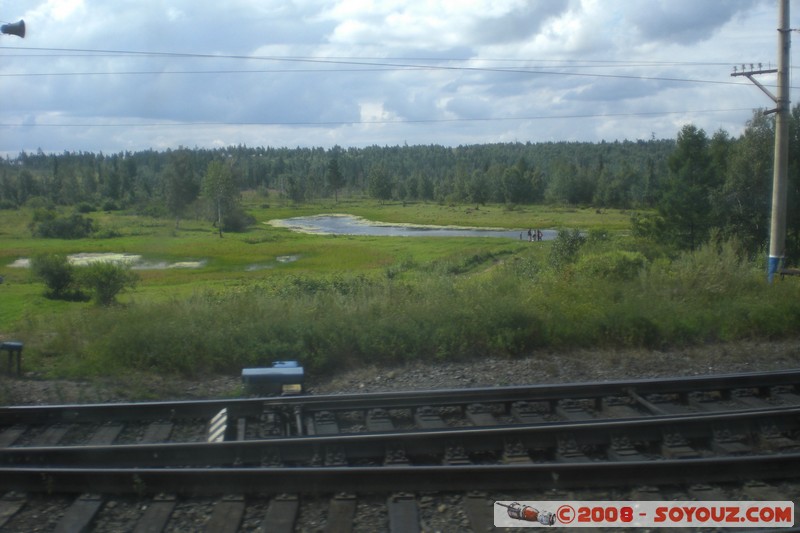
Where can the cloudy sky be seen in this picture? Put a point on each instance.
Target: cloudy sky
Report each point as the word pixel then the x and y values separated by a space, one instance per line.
pixel 99 75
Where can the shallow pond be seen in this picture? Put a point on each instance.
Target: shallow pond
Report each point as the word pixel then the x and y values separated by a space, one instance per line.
pixel 352 225
pixel 135 261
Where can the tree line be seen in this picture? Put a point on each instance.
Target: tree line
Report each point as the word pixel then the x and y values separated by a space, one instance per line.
pixel 620 174
pixel 691 187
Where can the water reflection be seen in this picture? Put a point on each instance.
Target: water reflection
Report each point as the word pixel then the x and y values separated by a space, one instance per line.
pixel 352 225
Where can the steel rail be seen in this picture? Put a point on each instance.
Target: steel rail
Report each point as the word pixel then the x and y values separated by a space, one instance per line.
pixel 399 478
pixel 415 444
pixel 239 407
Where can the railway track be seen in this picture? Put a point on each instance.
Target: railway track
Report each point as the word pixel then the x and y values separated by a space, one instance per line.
pixel 606 436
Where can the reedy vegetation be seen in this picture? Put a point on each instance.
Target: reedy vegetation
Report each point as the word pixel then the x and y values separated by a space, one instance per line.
pixel 508 305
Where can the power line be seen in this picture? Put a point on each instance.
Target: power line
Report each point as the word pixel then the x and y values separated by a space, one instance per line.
pixel 200 72
pixel 381 63
pixel 363 122
pixel 326 71
pixel 553 63
pixel 74 52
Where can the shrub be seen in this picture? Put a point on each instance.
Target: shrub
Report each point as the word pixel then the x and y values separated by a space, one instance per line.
pixel 710 272
pixel 107 279
pixel 110 205
pixel 48 224
pixel 237 221
pixel 39 202
pixel 616 264
pixel 565 248
pixel 58 276
pixel 85 207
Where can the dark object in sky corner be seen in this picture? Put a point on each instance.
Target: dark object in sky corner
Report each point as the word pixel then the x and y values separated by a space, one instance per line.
pixel 16 28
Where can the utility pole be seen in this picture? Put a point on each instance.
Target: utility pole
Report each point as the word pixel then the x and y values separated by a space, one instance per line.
pixel 777 240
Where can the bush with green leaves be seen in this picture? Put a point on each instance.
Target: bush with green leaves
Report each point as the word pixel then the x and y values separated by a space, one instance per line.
pixel 614 264
pixel 49 224
pixel 57 274
pixel 565 248
pixel 106 280
pixel 237 220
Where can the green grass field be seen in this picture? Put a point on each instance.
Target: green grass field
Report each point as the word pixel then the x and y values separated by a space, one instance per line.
pixel 344 300
pixel 243 258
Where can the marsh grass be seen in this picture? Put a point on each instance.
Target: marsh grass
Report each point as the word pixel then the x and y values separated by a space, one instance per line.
pixel 347 321
pixel 351 301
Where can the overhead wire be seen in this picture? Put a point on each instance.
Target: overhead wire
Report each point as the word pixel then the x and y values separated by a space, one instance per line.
pixel 81 52
pixel 389 64
pixel 554 67
pixel 365 122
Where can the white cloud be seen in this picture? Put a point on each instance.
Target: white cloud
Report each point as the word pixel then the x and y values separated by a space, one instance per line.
pixel 600 58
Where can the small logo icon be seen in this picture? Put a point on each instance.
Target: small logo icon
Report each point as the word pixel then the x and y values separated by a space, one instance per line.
pixel 527 513
pixel 565 514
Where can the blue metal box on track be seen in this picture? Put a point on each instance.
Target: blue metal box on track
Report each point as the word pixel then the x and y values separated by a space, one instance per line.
pixel 283 377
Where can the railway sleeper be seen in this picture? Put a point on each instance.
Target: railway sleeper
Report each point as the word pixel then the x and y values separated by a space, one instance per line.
pixel 703 492
pixel 379 420
pixel 106 434
pixel 665 404
pixel 403 513
pixel 728 442
pixel 568 451
pixel 325 423
pixel 480 414
pixel 281 514
pixel 515 452
pixel 647 493
pixel 10 504
pixel 157 432
pixel 272 459
pixel 787 398
pixel 227 515
pixel 51 435
pixel 618 407
pixel 573 411
pixel 675 446
pixel 341 511
pixel 456 454
pixel 80 514
pixel 478 508
pixel 526 413
pixel 772 438
pixel 621 449
pixel 335 456
pixel 157 514
pixel 396 456
pixel 759 490
pixel 427 418
pixel 726 401
pixel 11 434
pixel 752 401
